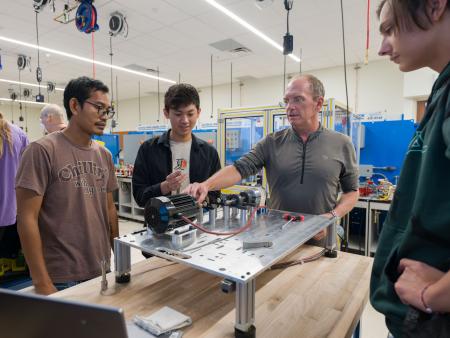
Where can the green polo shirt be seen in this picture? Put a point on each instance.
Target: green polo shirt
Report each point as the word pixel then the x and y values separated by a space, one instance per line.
pixel 418 223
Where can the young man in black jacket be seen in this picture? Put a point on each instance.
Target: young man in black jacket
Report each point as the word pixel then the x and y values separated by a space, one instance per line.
pixel 166 164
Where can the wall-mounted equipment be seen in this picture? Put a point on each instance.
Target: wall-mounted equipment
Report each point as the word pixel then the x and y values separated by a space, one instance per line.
pixel 86 17
pixel 40 4
pixel 23 62
pixel 263 3
pixel 51 87
pixel 118 24
pixel 288 39
pixel 26 92
pixel 40 98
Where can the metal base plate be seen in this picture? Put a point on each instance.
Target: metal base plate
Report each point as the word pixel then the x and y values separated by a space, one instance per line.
pixel 224 255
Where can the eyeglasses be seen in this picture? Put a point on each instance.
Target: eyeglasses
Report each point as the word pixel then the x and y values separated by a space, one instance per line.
pixel 295 100
pixel 101 111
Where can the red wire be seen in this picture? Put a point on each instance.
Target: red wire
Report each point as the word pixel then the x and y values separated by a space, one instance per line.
pixel 246 227
pixel 93 55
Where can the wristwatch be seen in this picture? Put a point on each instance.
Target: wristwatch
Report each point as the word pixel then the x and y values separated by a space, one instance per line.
pixel 333 212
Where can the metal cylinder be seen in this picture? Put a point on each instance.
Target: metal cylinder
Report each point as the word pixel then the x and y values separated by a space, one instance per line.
pixel 243 217
pixel 212 218
pixel 330 241
pixel 234 213
pixel 122 257
pixel 200 216
pixel 226 214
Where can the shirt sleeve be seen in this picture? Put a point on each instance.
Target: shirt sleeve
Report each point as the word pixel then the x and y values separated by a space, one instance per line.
pixel 143 190
pixel 215 163
pixel 112 184
pixel 349 177
pixel 25 142
pixel 252 162
pixel 446 134
pixel 34 169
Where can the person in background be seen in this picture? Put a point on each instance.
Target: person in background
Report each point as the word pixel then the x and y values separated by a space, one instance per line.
pixel 306 164
pixel 52 118
pixel 13 141
pixel 166 164
pixel 66 215
pixel 410 281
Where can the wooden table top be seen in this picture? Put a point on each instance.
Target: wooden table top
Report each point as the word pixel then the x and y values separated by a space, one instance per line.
pixel 324 298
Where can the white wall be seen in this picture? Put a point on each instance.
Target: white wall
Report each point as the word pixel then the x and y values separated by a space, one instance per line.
pixel 31 114
pixel 381 88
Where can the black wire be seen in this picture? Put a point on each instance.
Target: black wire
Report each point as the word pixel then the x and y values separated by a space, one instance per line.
pixel 284 74
pixel 212 93
pixel 139 100
pixel 231 85
pixel 287 21
pixel 111 58
pixel 37 40
pixel 159 103
pixel 288 6
pixel 117 104
pixel 345 69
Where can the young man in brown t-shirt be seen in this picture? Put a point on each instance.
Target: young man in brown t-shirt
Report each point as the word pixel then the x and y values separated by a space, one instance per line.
pixel 66 214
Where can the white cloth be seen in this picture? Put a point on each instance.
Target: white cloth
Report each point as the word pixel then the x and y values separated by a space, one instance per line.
pixel 164 320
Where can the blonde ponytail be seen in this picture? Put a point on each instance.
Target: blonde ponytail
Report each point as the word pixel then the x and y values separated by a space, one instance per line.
pixel 5 134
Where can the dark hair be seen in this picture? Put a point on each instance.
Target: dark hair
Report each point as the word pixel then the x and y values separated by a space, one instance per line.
pixel 407 13
pixel 81 88
pixel 179 95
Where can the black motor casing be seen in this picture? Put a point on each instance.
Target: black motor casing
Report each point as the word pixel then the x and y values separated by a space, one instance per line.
pixel 164 213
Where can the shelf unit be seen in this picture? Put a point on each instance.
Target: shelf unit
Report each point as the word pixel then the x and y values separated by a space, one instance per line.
pixel 126 205
pixel 365 241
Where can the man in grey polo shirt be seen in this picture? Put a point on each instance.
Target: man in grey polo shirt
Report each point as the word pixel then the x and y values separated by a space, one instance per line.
pixel 306 164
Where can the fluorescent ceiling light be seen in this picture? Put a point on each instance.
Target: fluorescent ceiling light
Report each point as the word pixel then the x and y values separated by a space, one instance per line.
pixel 252 29
pixel 81 58
pixel 28 84
pixel 23 101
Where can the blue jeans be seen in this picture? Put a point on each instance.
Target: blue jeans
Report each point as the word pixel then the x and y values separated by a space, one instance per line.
pixel 66 285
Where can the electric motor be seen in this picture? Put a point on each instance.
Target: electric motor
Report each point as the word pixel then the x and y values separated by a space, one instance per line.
pixel 164 213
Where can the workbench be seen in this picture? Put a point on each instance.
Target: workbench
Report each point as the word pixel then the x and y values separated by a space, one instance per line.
pixel 324 298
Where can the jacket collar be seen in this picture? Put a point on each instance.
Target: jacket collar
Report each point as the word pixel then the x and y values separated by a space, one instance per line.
pixel 311 136
pixel 164 139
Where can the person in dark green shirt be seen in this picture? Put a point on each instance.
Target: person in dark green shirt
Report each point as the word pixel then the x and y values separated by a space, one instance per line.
pixel 410 281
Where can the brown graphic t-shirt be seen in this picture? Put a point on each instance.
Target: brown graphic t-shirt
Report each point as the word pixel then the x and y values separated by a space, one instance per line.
pixel 73 220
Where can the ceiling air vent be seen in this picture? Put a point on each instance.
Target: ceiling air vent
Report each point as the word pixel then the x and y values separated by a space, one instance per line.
pixel 229 49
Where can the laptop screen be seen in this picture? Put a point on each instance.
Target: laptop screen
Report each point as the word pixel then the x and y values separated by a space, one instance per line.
pixel 32 316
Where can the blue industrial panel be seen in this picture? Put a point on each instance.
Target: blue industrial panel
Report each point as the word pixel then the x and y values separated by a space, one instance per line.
pixel 385 144
pixel 242 134
pixel 111 143
pixel 207 135
pixel 131 144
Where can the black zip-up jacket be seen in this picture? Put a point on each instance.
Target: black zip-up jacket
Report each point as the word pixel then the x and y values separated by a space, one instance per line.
pixel 154 162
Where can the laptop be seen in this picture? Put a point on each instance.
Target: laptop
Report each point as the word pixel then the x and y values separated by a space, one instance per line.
pixel 25 315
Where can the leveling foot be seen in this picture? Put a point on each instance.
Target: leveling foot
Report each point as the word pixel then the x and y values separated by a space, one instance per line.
pixel 330 253
pixel 251 333
pixel 122 279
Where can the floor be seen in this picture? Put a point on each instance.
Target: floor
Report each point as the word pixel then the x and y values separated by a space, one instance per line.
pixel 372 322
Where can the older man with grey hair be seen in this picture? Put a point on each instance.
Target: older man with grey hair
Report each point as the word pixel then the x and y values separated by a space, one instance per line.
pixel 306 164
pixel 52 118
